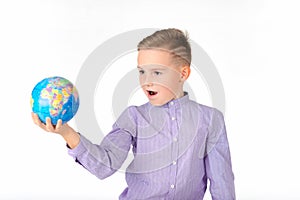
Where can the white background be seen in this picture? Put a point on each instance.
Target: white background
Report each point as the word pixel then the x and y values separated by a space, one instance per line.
pixel 254 45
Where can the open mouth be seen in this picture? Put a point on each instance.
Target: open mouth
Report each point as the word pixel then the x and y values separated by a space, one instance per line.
pixel 151 93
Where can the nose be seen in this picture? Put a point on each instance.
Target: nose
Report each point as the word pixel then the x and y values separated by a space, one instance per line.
pixel 146 80
pixel 149 84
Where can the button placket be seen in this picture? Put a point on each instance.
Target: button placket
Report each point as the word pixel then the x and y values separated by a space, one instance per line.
pixel 174 151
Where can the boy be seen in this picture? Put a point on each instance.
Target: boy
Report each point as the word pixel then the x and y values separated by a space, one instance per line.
pixel 177 143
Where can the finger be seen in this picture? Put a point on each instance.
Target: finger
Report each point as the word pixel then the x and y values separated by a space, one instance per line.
pixel 58 125
pixel 49 125
pixel 36 119
pixel 33 116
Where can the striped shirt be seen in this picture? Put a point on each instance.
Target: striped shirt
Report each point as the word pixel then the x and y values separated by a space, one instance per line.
pixel 176 148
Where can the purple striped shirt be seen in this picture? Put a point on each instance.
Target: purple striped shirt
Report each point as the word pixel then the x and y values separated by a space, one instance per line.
pixel 177 147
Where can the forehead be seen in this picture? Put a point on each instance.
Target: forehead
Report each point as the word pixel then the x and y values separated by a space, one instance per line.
pixel 154 57
pixel 154 67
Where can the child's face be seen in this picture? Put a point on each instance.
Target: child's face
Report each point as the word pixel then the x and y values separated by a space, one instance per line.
pixel 160 79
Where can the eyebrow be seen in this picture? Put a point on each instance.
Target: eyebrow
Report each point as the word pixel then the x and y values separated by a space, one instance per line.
pixel 153 69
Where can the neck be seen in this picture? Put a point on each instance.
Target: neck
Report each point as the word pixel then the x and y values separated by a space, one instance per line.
pixel 179 94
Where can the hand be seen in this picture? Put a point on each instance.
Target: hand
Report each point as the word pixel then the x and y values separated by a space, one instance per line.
pixel 49 127
pixel 71 137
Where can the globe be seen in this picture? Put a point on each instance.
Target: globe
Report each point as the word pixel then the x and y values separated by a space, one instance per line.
pixel 55 97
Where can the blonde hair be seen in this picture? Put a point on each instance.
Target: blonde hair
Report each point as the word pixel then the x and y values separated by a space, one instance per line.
pixel 172 40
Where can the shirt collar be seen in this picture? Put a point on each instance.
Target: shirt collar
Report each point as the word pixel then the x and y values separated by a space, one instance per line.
pixel 185 98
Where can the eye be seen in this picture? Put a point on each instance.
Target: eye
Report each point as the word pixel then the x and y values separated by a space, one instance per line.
pixel 157 73
pixel 141 71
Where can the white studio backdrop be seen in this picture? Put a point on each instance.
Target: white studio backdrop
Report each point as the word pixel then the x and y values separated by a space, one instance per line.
pixel 253 44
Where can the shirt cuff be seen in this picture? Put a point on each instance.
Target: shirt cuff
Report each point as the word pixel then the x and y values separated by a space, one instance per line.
pixel 79 149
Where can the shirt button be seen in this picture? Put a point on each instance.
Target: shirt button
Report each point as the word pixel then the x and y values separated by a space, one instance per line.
pixel 171 103
pixel 175 139
pixel 172 186
pixel 173 118
pixel 174 162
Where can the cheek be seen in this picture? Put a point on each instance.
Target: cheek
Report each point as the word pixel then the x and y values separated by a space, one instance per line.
pixel 167 91
pixel 171 80
pixel 141 80
pixel 169 87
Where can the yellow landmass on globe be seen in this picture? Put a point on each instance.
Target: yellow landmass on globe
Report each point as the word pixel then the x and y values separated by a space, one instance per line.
pixel 31 101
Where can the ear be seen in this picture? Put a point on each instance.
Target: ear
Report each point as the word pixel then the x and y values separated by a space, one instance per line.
pixel 185 72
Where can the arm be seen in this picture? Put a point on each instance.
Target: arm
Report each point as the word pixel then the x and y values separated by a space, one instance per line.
pixel 101 160
pixel 218 160
pixel 104 159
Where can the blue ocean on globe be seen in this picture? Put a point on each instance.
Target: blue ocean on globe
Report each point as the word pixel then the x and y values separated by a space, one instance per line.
pixel 55 97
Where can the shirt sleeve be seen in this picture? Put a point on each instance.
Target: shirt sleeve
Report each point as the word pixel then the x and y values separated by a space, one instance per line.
pixel 105 158
pixel 218 160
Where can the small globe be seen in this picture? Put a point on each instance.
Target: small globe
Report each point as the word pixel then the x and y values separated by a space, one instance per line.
pixel 55 97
